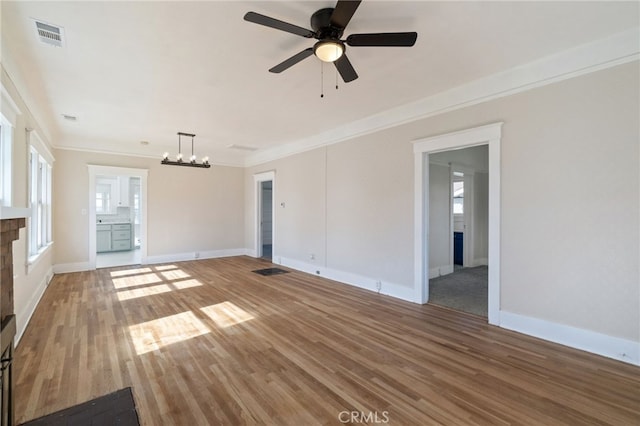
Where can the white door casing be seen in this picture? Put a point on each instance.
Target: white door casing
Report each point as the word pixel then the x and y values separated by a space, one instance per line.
pixel 257 197
pixel 116 171
pixel 484 135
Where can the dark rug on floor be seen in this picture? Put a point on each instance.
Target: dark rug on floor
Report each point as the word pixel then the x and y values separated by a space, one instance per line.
pixel 270 271
pixel 117 408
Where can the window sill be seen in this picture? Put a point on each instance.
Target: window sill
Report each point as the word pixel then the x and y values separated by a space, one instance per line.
pixel 33 260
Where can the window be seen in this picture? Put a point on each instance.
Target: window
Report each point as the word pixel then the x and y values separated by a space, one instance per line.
pixel 458 197
pixel 103 199
pixel 40 235
pixel 6 142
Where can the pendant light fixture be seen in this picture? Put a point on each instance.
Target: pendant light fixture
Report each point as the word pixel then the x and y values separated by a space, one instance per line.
pixel 192 160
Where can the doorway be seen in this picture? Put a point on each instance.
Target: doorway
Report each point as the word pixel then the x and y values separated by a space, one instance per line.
pixel 266 219
pixel 458 226
pixel 117 216
pixel 264 236
pixel 489 135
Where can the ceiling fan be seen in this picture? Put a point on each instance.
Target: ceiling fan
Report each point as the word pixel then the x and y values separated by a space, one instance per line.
pixel 328 26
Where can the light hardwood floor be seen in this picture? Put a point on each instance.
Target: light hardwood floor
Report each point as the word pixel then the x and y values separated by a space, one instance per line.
pixel 210 342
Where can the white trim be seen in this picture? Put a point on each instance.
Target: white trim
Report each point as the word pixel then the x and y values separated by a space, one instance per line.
pixel 601 54
pixel 438 271
pixel 483 135
pixel 258 178
pixel 94 171
pixel 35 140
pixel 24 316
pixel 14 212
pixel 182 257
pixel 8 107
pixel 65 268
pixel 590 341
pixel 34 260
pixel 480 261
pixel 386 288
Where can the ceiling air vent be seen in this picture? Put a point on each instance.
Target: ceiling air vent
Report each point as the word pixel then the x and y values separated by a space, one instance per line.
pixel 242 147
pixel 49 34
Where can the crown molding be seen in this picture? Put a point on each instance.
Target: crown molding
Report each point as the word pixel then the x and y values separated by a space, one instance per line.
pixel 601 54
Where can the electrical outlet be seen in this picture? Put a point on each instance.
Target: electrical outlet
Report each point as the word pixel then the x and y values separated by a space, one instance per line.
pixel 196 255
pixel 378 285
pixel 312 256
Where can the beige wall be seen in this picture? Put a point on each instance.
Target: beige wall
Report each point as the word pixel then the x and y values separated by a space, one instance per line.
pixel 344 213
pixel 570 200
pixel 439 220
pixel 189 209
pixel 481 217
pixel 370 208
pixel 29 283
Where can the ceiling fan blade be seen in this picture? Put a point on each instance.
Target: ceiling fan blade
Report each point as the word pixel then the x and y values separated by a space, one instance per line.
pixel 345 69
pixel 257 18
pixel 343 12
pixel 292 60
pixel 383 39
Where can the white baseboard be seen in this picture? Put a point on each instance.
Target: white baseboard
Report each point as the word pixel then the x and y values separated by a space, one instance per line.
pixel 165 258
pixel 440 270
pixel 63 268
pixel 586 340
pixel 360 281
pixel 181 257
pixel 24 316
pixel 480 261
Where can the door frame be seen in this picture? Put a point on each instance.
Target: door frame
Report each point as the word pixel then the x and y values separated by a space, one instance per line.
pixel 484 135
pixel 258 178
pixel 94 171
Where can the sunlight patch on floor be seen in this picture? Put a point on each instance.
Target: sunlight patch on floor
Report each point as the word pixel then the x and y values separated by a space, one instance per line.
pixel 126 272
pixel 165 267
pixel 137 280
pixel 181 285
pixel 175 274
pixel 226 314
pixel 143 292
pixel 153 335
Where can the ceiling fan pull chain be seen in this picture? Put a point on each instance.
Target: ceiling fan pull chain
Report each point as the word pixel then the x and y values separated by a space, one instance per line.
pixel 336 78
pixel 321 79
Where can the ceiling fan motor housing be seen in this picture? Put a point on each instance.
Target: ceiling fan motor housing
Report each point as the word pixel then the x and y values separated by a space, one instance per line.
pixel 321 24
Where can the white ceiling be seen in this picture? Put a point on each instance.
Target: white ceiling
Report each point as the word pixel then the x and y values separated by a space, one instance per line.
pixel 142 71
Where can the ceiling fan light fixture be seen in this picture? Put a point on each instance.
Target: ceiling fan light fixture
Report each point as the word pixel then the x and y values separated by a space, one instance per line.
pixel 328 50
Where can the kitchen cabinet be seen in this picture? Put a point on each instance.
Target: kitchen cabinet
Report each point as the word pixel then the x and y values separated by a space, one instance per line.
pixel 103 238
pixel 114 237
pixel 112 192
pixel 121 237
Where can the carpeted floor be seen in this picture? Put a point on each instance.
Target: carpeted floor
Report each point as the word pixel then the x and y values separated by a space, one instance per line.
pixel 464 290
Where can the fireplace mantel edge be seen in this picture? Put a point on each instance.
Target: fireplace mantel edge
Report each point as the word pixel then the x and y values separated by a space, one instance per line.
pixel 14 212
